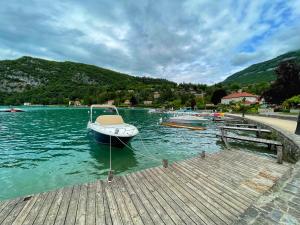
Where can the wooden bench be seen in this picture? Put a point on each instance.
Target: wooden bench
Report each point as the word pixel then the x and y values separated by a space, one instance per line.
pixel 243 125
pixel 257 130
pixel 270 143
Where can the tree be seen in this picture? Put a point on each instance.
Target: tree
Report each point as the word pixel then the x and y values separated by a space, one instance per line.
pixel 217 96
pixel 193 103
pixel 200 103
pixel 286 85
pixel 292 102
pixel 133 101
pixel 235 87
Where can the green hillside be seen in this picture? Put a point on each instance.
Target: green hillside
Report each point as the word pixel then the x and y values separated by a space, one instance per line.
pixel 261 72
pixel 42 81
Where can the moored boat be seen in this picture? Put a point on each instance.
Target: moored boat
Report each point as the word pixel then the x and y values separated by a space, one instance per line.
pixel 12 110
pixel 187 119
pixel 111 129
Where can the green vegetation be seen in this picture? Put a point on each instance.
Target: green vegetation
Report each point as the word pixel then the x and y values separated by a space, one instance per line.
pixel 41 81
pixel 292 102
pixel 263 72
pixel 287 83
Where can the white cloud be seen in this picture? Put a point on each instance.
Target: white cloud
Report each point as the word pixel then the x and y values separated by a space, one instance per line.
pixel 190 41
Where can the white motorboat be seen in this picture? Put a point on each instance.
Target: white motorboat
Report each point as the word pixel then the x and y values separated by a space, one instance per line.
pixel 111 129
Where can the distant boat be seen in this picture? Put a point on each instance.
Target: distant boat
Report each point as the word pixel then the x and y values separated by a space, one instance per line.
pixel 187 119
pixel 12 110
pixel 111 128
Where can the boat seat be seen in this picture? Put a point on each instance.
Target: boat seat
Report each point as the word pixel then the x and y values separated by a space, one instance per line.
pixel 109 119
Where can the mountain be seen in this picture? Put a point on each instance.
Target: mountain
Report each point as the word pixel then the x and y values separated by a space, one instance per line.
pixel 27 72
pixel 42 81
pixel 261 72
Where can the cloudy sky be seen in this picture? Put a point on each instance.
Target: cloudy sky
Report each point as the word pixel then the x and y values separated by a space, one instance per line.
pixel 199 41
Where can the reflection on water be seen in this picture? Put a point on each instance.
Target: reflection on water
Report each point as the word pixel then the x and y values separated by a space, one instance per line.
pixel 122 159
pixel 48 147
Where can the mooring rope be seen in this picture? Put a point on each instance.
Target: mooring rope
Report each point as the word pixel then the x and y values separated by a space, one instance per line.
pixel 136 151
pixel 109 152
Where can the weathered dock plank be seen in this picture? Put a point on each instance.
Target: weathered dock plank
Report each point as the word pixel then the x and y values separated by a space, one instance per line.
pixel 184 209
pixel 63 208
pixel 25 211
pixel 81 208
pixel 215 189
pixel 72 209
pixel 40 209
pixel 8 208
pixel 30 218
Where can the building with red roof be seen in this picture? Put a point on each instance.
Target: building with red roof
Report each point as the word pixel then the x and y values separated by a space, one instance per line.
pixel 240 96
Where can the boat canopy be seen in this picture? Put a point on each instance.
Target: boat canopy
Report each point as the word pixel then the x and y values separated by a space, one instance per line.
pixel 103 106
pixel 109 119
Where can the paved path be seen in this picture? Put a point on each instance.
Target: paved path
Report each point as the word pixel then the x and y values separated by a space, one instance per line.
pixel 286 125
pixel 216 190
pixel 283 205
pixel 280 207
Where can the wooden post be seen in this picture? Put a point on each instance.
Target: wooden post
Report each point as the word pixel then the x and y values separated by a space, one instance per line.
pixel 202 154
pixel 110 176
pixel 165 163
pixel 223 132
pixel 258 133
pixel 297 131
pixel 279 154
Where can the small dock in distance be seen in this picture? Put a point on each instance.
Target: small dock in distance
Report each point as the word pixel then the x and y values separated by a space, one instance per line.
pixel 208 189
pixel 224 136
pixel 245 129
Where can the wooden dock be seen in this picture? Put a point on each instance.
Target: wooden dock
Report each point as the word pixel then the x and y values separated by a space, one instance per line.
pixel 257 130
pixel 250 139
pixel 244 125
pixel 215 189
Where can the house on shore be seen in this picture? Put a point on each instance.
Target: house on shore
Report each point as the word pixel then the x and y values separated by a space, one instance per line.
pixel 126 102
pixel 110 102
pixel 147 102
pixel 75 103
pixel 240 96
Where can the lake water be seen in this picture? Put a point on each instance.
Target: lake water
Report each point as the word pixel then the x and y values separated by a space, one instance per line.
pixel 46 148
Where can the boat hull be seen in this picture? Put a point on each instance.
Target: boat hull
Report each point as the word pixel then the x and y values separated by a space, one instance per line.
pixel 186 121
pixel 115 141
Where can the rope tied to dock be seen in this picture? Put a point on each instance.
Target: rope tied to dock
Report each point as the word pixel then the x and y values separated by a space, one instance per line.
pixel 138 153
pixel 110 172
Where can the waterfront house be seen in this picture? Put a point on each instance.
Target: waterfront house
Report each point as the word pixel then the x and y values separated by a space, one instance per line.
pixel 147 102
pixel 240 96
pixel 110 102
pixel 127 102
pixel 75 103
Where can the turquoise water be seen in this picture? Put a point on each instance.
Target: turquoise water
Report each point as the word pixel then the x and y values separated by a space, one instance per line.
pixel 46 148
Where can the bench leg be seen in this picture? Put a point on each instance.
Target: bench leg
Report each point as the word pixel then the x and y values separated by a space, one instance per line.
pixel 258 134
pixel 279 154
